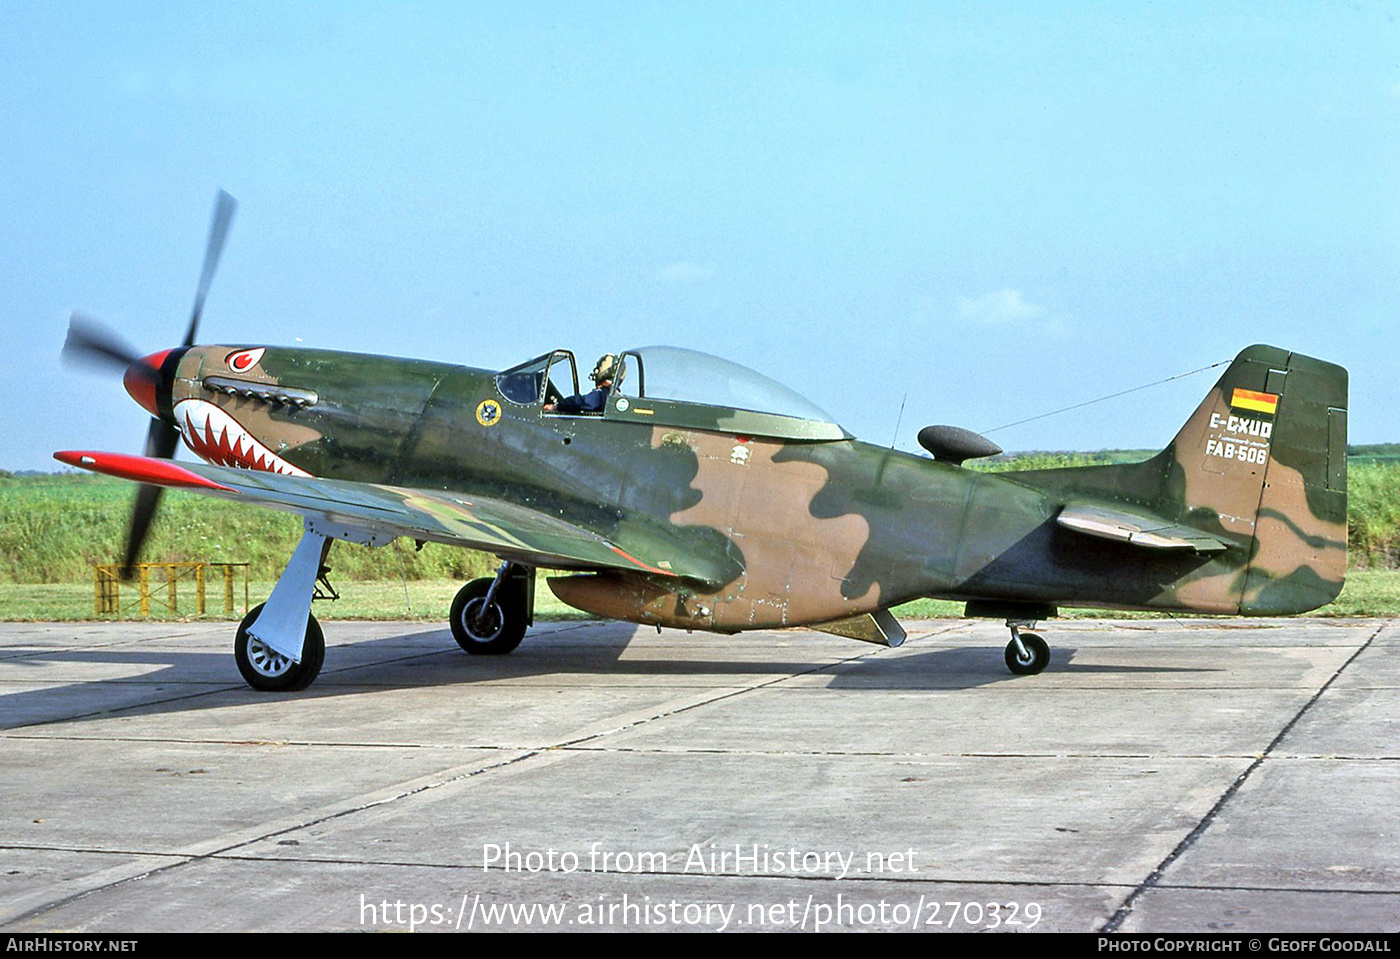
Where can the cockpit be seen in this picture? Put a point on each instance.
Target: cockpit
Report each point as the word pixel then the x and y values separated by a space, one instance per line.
pixel 668 385
pixel 537 381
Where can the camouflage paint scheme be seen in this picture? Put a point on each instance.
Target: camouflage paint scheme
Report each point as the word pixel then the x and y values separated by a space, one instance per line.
pixel 703 517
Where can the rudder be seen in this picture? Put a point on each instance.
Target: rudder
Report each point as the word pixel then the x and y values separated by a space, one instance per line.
pixel 1264 457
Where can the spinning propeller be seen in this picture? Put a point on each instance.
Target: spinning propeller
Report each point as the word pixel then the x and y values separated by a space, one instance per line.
pixel 92 344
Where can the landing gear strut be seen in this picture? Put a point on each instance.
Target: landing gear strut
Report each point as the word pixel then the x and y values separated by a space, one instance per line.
pixel 279 645
pixel 489 616
pixel 1026 654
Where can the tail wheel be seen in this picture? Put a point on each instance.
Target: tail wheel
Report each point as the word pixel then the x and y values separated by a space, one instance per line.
pixel 1036 658
pixel 267 670
pixel 484 630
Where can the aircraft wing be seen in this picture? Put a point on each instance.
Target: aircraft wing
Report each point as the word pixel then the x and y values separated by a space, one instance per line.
pixel 495 525
pixel 1136 528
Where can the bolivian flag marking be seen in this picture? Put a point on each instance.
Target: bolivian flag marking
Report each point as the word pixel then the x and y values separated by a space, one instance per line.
pixel 1251 400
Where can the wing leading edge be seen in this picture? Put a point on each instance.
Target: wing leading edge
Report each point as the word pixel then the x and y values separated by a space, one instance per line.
pixel 507 529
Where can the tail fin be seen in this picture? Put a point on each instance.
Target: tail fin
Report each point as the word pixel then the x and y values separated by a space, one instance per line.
pixel 1264 457
pixel 1260 466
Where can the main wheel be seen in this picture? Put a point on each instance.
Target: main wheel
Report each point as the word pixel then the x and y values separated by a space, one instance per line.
pixel 487 630
pixel 267 670
pixel 1038 657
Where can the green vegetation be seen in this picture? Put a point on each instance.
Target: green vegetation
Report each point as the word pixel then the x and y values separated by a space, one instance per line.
pixel 426 600
pixel 1039 460
pixel 1373 514
pixel 1368 592
pixel 55 527
pixel 1373 592
pixel 1374 453
pixel 1373 493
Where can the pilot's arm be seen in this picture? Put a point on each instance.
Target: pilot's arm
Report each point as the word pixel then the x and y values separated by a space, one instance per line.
pixel 591 403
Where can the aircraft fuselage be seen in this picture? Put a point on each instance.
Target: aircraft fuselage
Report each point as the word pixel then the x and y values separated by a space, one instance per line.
pixel 810 530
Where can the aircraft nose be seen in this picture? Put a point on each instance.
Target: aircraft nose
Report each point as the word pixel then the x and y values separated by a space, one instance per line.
pixel 146 381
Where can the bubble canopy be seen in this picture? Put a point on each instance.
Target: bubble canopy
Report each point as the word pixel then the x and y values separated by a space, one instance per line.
pixel 689 376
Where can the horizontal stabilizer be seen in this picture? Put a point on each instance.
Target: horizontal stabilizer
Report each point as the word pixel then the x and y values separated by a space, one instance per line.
pixel 1137 529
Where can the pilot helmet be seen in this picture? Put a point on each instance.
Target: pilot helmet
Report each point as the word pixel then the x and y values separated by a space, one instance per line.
pixel 606 368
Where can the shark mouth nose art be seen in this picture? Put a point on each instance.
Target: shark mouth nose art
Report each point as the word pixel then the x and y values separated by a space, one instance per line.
pixel 219 439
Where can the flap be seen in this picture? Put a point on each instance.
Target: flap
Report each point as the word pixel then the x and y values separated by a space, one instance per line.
pixel 879 627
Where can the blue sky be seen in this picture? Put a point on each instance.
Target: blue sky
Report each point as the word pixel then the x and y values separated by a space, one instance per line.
pixel 983 211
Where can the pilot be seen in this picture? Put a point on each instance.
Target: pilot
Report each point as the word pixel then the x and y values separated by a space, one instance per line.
pixel 604 372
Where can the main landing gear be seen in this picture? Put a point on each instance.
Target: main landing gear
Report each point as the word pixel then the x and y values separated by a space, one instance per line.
pixel 267 670
pixel 1026 654
pixel 279 646
pixel 489 616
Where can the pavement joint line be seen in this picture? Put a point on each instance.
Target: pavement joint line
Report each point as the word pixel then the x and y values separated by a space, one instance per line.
pixel 650 873
pixel 384 662
pixel 121 709
pixel 654 874
pixel 22 652
pixel 690 750
pixel 912 757
pixel 1154 878
pixel 307 743
pixel 205 684
pixel 222 853
pixel 1306 890
pixel 185 859
pixel 92 851
pixel 227 852
pixel 209 689
pixel 730 693
pixel 932 880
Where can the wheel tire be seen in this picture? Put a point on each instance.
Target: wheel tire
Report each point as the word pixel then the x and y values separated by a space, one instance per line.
pixel 487 632
pixel 1038 649
pixel 269 671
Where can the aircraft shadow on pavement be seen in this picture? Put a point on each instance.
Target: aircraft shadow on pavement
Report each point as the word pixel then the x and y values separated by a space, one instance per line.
pixel 206 679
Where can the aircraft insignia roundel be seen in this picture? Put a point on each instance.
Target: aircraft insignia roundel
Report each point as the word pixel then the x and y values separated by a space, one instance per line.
pixel 488 412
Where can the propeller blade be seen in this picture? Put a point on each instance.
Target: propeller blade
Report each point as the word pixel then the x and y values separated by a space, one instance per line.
pixel 92 343
pixel 218 232
pixel 161 441
pixel 147 499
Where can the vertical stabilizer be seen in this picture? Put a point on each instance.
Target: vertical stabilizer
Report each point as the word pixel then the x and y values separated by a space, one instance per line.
pixel 1264 457
pixel 1259 467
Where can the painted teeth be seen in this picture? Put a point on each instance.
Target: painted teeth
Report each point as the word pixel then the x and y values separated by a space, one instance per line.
pixel 217 438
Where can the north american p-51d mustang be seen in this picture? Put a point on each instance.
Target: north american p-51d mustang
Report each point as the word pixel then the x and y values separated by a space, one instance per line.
pixel 702 495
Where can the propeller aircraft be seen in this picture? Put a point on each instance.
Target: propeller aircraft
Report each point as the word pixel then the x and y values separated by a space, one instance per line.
pixel 703 495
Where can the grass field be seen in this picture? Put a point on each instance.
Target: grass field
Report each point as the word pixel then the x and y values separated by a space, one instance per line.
pixel 426 600
pixel 55 527
pixel 1367 593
